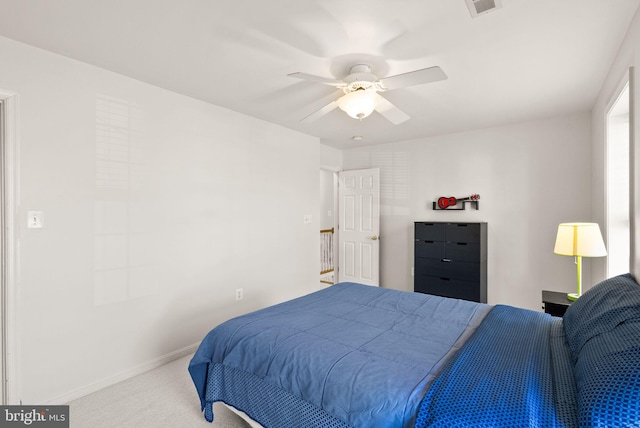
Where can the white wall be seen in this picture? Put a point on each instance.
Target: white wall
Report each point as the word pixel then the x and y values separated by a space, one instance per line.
pixel 327 199
pixel 130 270
pixel 530 177
pixel 628 56
pixel 157 207
pixel 330 158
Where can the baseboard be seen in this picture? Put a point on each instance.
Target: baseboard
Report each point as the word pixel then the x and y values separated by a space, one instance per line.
pixel 142 368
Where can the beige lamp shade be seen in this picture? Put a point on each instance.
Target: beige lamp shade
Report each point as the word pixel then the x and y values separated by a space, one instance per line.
pixel 580 239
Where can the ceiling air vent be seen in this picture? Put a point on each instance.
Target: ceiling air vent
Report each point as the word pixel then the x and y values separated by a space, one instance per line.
pixel 480 7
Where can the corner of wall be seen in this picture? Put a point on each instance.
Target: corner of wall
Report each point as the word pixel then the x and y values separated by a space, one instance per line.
pixel 331 158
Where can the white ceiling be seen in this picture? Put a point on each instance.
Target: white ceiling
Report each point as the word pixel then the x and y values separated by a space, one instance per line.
pixel 529 59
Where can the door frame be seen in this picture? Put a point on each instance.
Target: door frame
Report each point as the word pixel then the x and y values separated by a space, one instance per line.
pixel 8 246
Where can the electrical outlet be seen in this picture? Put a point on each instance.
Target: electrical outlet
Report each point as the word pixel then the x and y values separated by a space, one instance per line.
pixel 239 294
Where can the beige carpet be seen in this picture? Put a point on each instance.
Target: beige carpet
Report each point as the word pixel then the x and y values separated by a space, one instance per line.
pixel 164 397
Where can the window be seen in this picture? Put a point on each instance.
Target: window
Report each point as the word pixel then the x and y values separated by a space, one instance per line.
pixel 618 230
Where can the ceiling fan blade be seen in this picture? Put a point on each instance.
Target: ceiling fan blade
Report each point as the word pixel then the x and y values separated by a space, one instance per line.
pixel 317 79
pixel 321 112
pixel 413 78
pixel 392 113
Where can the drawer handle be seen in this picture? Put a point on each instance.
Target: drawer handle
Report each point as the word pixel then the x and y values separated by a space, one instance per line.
pixel 446 260
pixel 461 243
pixel 445 279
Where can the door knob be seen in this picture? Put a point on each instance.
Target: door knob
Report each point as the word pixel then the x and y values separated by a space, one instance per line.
pixel 375 237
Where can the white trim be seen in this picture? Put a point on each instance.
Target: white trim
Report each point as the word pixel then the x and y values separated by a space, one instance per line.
pixel 127 374
pixel 9 182
pixel 634 202
pixel 623 83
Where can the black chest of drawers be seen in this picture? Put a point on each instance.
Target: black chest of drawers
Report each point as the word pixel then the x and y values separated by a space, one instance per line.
pixel 451 260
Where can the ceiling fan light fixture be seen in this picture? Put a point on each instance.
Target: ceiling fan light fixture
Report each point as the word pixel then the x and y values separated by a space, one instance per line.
pixel 360 103
pixel 361 89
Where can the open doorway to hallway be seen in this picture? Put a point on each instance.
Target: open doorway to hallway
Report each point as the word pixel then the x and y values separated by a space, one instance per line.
pixel 328 226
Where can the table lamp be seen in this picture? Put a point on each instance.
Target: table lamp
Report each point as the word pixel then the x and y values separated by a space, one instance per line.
pixel 579 240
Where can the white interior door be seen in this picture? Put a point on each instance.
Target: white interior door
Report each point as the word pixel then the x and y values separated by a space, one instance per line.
pixel 359 226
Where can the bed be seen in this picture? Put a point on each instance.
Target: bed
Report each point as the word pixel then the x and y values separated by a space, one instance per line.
pixel 351 355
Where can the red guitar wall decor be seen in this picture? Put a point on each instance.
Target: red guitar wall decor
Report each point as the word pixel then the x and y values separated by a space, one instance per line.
pixel 445 202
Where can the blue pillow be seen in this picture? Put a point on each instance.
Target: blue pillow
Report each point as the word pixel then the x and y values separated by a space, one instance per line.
pixel 603 334
pixel 608 378
pixel 600 310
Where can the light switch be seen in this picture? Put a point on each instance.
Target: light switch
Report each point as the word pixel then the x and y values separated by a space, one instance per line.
pixel 35 219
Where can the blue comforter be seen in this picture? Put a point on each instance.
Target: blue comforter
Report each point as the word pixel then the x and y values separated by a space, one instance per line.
pixel 348 355
pixel 352 355
pixel 513 372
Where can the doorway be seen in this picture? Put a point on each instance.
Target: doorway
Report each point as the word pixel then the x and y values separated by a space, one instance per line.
pixel 328 226
pixel 8 246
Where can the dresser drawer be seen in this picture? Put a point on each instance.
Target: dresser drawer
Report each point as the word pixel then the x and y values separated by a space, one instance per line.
pixel 430 249
pixel 463 232
pixel 452 232
pixel 456 251
pixel 448 288
pixel 430 231
pixel 462 251
pixel 442 268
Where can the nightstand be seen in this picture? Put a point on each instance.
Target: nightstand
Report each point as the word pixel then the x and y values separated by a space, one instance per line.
pixel 555 303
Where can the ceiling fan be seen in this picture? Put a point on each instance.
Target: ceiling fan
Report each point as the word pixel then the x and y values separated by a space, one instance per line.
pixel 362 91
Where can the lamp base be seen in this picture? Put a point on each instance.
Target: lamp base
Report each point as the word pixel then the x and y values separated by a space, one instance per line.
pixel 573 296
